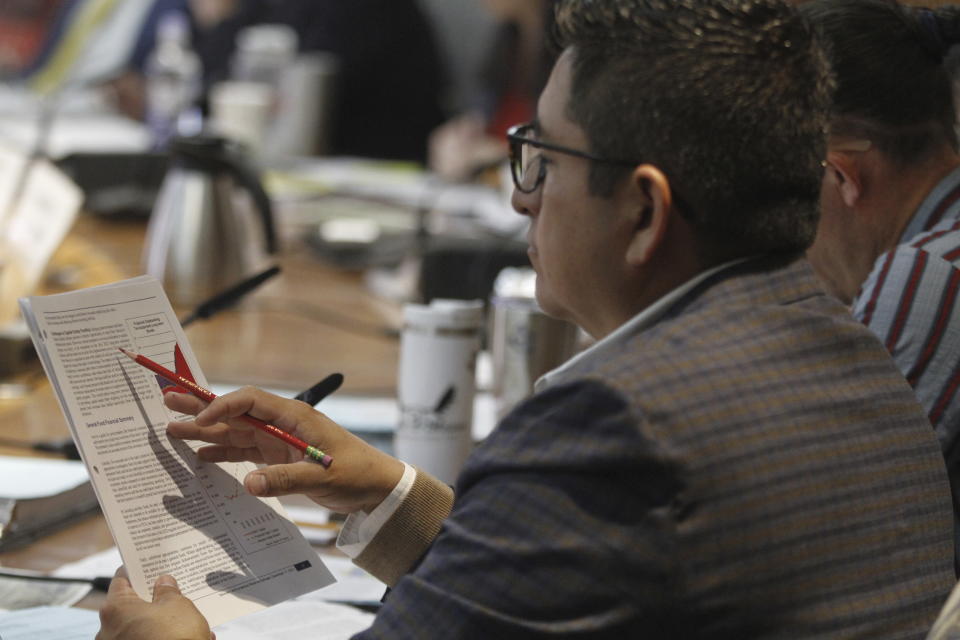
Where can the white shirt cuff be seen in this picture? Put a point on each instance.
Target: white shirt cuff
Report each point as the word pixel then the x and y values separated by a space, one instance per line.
pixel 360 527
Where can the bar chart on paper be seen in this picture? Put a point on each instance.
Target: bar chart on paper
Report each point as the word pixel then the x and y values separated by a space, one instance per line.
pixel 254 524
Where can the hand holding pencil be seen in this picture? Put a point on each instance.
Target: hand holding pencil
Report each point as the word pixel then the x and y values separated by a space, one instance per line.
pixel 361 478
pixel 208 396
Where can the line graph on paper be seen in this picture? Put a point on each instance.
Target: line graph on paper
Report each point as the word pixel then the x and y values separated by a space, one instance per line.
pixel 259 527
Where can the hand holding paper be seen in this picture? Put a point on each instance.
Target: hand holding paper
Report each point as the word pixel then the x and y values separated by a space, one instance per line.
pixel 232 553
pixel 362 477
pixel 170 615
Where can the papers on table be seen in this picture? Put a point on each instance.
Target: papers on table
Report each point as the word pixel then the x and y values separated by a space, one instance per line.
pixel 69 134
pixel 38 495
pixel 79 121
pixel 399 184
pixel 353 585
pixel 97 565
pixel 23 478
pixel 304 617
pixel 293 620
pixel 313 522
pixel 22 593
pixel 46 623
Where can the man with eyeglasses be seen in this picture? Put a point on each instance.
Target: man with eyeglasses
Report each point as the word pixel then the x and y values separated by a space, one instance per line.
pixel 735 457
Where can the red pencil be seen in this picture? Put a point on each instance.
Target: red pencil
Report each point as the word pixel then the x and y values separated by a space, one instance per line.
pixel 208 396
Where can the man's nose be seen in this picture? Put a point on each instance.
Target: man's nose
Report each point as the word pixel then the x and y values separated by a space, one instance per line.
pixel 526 204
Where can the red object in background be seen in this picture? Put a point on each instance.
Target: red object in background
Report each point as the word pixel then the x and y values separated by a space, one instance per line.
pixel 512 108
pixel 23 28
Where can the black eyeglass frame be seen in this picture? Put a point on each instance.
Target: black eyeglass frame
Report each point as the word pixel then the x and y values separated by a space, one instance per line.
pixel 516 139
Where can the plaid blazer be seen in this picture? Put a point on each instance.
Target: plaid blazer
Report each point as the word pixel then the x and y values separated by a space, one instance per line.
pixel 751 466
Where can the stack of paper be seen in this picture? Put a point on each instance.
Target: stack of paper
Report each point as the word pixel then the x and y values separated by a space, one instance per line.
pixel 40 495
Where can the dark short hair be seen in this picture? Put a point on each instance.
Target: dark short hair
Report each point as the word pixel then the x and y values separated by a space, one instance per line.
pixel 728 98
pixel 892 86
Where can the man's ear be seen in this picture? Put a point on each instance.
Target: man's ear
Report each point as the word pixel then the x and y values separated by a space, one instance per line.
pixel 651 210
pixel 845 176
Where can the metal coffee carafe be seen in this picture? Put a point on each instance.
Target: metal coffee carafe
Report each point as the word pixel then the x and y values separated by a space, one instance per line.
pixel 212 224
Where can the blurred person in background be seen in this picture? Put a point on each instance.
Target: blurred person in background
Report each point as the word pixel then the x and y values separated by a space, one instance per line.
pixel 390 83
pixel 82 42
pixel 888 243
pixel 514 73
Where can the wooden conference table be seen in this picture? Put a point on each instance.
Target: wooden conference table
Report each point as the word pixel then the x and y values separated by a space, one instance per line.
pixel 309 321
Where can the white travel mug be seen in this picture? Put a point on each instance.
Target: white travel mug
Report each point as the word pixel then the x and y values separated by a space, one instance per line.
pixel 438 352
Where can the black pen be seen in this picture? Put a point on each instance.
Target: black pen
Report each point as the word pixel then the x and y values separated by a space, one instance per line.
pixel 229 297
pixel 100 583
pixel 321 390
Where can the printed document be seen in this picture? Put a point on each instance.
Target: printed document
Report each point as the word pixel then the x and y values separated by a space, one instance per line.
pixel 232 553
pixel 293 620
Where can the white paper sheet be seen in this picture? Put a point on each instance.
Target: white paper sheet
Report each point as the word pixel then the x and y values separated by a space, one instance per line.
pixel 353 585
pixel 232 553
pixel 297 620
pixel 21 594
pixel 22 478
pixel 97 565
pixel 42 214
pixel 49 623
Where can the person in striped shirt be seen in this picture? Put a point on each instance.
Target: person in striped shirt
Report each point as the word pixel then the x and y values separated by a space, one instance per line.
pixel 888 242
